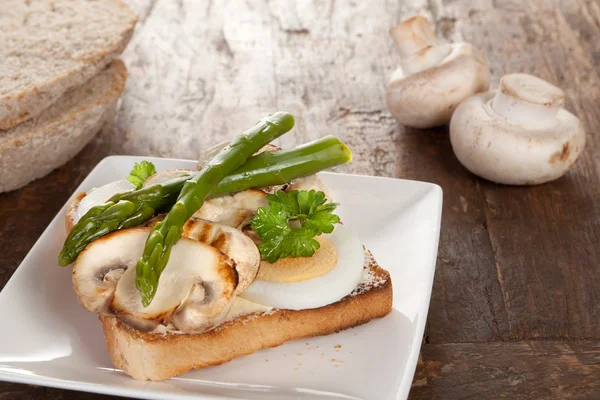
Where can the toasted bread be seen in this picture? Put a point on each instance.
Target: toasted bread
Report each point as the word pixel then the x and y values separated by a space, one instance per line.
pixel 159 356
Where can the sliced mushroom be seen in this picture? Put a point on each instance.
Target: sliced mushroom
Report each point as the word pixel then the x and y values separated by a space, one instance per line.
pixel 433 77
pixel 102 263
pixel 233 210
pixel 194 292
pixel 235 244
pixel 166 175
pixel 520 135
pixel 311 182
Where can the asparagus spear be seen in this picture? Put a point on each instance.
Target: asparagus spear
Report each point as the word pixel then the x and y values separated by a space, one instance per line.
pixel 266 169
pixel 168 231
pixel 279 167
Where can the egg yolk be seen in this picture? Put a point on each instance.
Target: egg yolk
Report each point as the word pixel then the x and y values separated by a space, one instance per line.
pixel 298 269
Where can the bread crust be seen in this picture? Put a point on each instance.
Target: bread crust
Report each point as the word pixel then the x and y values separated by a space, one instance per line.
pixel 72 206
pixel 157 356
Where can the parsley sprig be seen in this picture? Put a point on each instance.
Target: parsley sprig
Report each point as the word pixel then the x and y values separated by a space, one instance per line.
pixel 309 215
pixel 140 172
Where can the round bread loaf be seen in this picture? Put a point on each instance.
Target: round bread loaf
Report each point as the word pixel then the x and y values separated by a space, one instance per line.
pixel 51 46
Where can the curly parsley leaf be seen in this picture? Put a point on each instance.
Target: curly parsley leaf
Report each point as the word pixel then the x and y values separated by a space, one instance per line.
pixel 140 172
pixel 280 239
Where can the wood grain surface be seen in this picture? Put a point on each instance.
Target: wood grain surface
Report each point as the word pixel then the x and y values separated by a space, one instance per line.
pixel 515 310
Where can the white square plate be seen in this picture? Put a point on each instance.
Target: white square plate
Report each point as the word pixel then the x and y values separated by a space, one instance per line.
pixel 48 339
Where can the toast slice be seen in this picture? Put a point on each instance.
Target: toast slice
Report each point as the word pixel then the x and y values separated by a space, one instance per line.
pixel 61 131
pixel 51 46
pixel 159 356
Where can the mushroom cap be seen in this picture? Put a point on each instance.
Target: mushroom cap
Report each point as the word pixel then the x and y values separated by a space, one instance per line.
pixel 232 242
pixel 428 98
pixel 508 152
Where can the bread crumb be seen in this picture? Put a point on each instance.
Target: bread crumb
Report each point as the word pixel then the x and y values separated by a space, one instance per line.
pixel 299 354
pixel 338 346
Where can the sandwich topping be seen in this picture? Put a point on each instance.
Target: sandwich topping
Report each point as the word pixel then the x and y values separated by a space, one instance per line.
pixel 226 247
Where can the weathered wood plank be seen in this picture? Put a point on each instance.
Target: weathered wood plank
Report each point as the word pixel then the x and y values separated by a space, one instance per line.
pixel 511 370
pixel 14 391
pixel 545 239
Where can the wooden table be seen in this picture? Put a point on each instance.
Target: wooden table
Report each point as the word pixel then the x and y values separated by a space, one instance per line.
pixel 515 310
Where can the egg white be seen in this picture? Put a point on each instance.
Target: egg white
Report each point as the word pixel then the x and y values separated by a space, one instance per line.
pixel 319 291
pixel 100 195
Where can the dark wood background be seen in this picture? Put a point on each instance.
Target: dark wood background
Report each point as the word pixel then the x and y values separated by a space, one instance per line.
pixel 515 311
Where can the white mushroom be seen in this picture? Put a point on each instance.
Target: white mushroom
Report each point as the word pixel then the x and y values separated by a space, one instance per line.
pixel 166 175
pixel 233 210
pixel 519 135
pixel 235 244
pixel 194 293
pixel 100 265
pixel 311 182
pixel 433 77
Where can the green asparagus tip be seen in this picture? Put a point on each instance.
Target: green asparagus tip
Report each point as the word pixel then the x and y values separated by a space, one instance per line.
pixel 64 259
pixel 283 119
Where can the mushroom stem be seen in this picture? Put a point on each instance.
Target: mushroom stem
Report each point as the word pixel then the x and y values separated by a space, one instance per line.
pixel 528 100
pixel 418 45
pixel 412 35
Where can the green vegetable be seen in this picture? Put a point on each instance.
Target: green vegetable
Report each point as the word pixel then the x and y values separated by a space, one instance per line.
pixel 141 172
pixel 131 209
pixel 279 167
pixel 168 231
pixel 280 239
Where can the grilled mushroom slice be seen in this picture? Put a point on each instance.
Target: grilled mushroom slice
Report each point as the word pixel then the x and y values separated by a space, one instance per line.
pixel 235 244
pixel 233 210
pixel 311 182
pixel 194 293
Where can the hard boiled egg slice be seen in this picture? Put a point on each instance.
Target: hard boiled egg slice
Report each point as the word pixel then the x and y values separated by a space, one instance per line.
pixel 316 291
pixel 100 195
